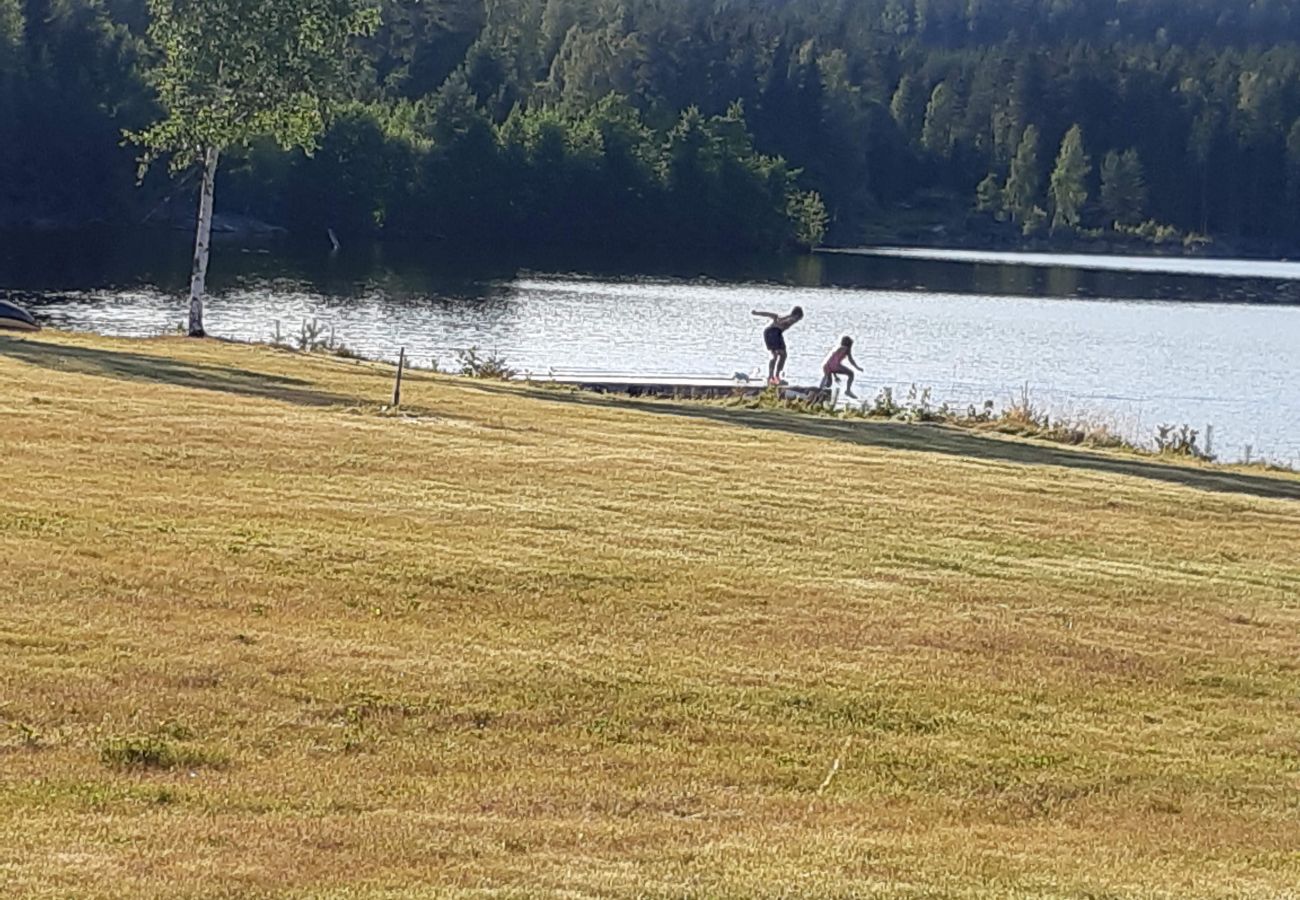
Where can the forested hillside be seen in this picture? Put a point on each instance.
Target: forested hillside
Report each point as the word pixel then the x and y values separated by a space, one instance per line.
pixel 729 124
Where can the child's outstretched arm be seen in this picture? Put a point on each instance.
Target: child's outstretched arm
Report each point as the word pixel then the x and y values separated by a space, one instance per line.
pixel 853 362
pixel 772 316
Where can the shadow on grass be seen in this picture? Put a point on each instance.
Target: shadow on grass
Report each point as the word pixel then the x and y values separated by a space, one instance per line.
pixel 164 370
pixel 949 441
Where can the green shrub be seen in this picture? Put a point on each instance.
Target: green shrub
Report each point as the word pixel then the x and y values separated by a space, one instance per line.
pixel 473 364
pixel 157 751
pixel 1179 441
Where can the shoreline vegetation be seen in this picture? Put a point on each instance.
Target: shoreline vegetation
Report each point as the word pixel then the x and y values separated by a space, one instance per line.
pixel 1020 417
pixel 264 637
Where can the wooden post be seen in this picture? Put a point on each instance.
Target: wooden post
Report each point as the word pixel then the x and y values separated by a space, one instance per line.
pixel 397 385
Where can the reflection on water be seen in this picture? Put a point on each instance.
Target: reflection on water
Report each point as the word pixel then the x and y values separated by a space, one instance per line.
pixel 968 332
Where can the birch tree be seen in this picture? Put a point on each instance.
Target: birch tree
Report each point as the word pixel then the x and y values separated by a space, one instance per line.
pixel 230 71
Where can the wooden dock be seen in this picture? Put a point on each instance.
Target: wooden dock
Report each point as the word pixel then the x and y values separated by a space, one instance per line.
pixel 702 387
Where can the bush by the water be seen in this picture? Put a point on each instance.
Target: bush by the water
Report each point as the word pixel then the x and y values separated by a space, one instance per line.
pixel 474 363
pixel 1021 417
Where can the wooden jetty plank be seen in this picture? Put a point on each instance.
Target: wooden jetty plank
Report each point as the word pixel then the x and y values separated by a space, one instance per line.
pixel 659 385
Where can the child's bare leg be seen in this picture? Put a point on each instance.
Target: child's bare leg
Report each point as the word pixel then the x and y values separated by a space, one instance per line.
pixel 780 364
pixel 824 389
pixel 848 388
pixel 771 368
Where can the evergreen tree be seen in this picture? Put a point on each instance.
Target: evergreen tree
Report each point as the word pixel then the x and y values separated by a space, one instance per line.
pixel 1293 162
pixel 1020 196
pixel 896 17
pixel 869 101
pixel 1034 221
pixel 11 34
pixel 939 132
pixel 1205 132
pixel 1123 187
pixel 988 195
pixel 905 107
pixel 1068 186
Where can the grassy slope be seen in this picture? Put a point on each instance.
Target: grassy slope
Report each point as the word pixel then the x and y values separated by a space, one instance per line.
pixel 510 643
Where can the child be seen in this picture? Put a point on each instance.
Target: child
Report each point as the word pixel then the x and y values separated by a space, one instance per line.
pixel 774 339
pixel 835 367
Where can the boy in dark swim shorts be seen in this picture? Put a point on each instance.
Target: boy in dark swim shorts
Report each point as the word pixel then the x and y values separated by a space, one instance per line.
pixel 774 339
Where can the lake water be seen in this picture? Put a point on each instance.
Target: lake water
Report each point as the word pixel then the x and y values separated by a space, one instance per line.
pixel 1130 343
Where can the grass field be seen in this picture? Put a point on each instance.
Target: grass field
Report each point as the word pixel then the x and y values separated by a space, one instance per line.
pixel 260 637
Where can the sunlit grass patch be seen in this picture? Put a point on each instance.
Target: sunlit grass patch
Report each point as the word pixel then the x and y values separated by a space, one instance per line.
pixel 257 639
pixel 158 751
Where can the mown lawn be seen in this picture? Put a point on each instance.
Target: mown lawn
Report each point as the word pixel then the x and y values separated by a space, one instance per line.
pixel 259 637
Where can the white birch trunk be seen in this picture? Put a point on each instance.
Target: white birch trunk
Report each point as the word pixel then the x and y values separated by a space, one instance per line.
pixel 202 243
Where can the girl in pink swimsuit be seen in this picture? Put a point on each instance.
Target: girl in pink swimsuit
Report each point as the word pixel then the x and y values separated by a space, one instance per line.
pixel 834 366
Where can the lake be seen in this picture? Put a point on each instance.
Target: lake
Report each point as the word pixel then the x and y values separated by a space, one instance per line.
pixel 1135 342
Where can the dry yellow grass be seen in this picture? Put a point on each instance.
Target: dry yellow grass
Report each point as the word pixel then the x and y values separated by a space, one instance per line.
pixel 259 638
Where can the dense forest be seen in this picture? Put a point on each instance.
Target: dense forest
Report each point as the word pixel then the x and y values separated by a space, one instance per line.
pixel 722 124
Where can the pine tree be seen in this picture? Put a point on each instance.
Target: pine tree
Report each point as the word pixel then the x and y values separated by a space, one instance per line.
pixel 1035 219
pixel 11 34
pixel 988 195
pixel 1020 195
pixel 1293 162
pixel 1068 189
pixel 896 18
pixel 905 107
pixel 1206 132
pixel 1123 187
pixel 938 134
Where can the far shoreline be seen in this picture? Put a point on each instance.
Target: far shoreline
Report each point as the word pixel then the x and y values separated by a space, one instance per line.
pixel 1281 269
